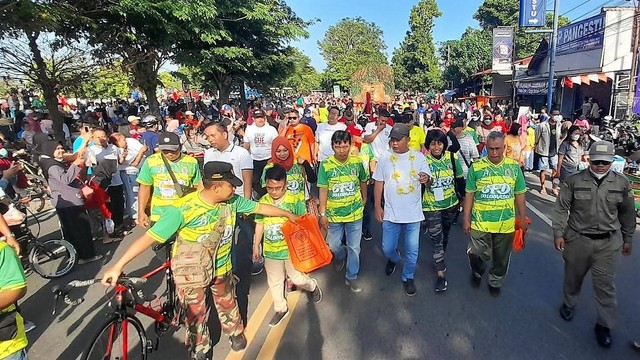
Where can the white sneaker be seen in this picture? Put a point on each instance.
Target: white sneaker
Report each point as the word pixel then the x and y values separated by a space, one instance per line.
pixel 29 325
pixel 109 225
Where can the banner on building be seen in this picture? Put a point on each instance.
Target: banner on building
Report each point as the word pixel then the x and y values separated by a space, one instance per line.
pixel 532 13
pixel 502 48
pixel 538 87
pixel 582 36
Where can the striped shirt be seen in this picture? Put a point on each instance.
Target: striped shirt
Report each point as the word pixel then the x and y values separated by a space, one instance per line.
pixel 494 188
pixel 468 151
pixel 342 180
pixel 274 245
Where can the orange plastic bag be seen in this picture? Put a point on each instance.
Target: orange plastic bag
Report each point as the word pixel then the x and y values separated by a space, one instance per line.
pixel 518 236
pixel 307 248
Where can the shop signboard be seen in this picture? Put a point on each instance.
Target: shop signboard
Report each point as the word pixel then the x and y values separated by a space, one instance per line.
pixel 532 13
pixel 582 36
pixel 532 87
pixel 502 48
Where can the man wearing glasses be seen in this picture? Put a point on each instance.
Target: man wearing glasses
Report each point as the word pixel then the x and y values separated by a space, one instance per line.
pixel 593 222
pixel 299 135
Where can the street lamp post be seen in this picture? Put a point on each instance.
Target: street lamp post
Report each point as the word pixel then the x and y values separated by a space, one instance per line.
pixel 552 56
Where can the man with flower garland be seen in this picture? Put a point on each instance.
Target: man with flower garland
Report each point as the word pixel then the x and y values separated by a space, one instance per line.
pixel 399 174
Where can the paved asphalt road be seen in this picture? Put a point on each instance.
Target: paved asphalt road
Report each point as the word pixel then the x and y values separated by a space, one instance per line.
pixel 381 322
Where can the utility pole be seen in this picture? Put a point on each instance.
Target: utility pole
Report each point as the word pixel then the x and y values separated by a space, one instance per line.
pixel 633 74
pixel 552 57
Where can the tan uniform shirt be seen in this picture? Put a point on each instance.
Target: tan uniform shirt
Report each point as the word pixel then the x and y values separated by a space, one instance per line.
pixel 592 209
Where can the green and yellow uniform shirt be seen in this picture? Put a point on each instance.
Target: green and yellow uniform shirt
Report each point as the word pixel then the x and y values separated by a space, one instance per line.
pixel 12 278
pixel 194 219
pixel 295 180
pixel 494 188
pixel 366 155
pixel 153 172
pixel 443 183
pixel 274 245
pixel 342 180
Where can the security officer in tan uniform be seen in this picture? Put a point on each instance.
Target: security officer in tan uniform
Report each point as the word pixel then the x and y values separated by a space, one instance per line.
pixel 593 221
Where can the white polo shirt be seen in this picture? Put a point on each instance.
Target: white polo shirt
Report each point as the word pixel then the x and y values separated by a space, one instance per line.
pixel 235 155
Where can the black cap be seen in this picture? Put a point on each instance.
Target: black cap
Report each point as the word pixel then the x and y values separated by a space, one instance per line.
pixel 259 113
pixel 221 171
pixel 169 141
pixel 399 131
pixel 458 122
pixel 384 112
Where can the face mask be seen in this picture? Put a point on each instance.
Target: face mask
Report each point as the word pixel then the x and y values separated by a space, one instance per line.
pixel 487 121
pixel 598 176
pixel 575 137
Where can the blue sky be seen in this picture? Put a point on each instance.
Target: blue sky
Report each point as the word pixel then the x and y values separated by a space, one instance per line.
pixel 392 17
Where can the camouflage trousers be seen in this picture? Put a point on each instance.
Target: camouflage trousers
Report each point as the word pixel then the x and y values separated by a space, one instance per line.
pixel 197 308
pixel 438 228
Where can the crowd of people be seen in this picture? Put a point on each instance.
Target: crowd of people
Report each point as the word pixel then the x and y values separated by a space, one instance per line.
pixel 200 176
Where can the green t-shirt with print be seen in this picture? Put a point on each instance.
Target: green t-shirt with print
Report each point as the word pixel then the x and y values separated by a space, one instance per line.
pixel 274 244
pixel 295 180
pixel 194 219
pixel 342 180
pixel 153 172
pixel 494 188
pixel 443 184
pixel 366 155
pixel 12 279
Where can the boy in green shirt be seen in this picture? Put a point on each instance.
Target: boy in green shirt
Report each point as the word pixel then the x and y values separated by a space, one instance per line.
pixel 342 183
pixel 13 286
pixel 276 253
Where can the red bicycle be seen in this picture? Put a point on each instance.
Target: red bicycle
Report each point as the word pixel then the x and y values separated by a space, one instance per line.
pixel 116 340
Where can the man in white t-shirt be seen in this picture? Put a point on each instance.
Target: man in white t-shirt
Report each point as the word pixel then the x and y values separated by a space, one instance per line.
pixel 257 139
pixel 400 174
pixel 242 249
pixel 325 131
pixel 377 134
pixel 130 157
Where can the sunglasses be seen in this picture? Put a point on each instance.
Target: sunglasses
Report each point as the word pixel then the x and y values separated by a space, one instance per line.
pixel 292 117
pixel 600 162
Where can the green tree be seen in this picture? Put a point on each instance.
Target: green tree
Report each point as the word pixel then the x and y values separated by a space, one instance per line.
pixel 494 13
pixel 350 45
pixel 414 63
pixel 252 47
pixel 303 77
pixel 466 56
pixel 110 82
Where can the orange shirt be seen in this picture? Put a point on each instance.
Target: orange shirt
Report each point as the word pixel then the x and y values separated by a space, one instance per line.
pixel 301 138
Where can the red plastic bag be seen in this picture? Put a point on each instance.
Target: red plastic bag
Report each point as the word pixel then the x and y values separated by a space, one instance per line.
pixel 518 236
pixel 307 248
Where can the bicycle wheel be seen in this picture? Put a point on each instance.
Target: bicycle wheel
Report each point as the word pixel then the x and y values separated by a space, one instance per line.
pixel 52 258
pixel 117 338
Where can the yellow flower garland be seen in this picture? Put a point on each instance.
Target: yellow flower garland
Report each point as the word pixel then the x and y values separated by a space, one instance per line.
pixel 396 175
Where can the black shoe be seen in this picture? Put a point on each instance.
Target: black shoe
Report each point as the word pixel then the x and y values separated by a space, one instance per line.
pixel 441 284
pixel 366 235
pixel 338 265
pixel 475 280
pixel 257 268
pixel 238 342
pixel 566 312
pixel 409 287
pixel 278 317
pixel 603 336
pixel 316 295
pixel 390 268
pixel 494 291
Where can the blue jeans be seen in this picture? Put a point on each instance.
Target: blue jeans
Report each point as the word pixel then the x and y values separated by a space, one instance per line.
pixel 353 232
pixel 18 355
pixel 390 237
pixel 368 209
pixel 130 196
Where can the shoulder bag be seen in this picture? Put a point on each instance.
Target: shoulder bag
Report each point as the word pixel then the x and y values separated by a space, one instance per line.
pixel 181 190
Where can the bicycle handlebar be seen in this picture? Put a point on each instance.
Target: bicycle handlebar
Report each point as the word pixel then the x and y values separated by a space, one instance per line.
pixel 133 283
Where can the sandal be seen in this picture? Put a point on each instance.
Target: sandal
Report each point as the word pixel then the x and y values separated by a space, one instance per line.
pixel 635 345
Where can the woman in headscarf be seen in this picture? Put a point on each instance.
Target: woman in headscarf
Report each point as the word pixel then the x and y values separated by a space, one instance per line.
pixel 299 172
pixel 67 199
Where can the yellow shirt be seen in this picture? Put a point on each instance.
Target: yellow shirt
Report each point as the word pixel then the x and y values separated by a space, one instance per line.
pixel 416 138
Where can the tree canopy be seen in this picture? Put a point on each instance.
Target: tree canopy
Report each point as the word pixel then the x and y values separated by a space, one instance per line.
pixel 414 63
pixel 350 45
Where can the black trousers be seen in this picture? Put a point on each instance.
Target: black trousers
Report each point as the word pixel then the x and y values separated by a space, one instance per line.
pixel 258 168
pixel 242 259
pixel 116 205
pixel 76 228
